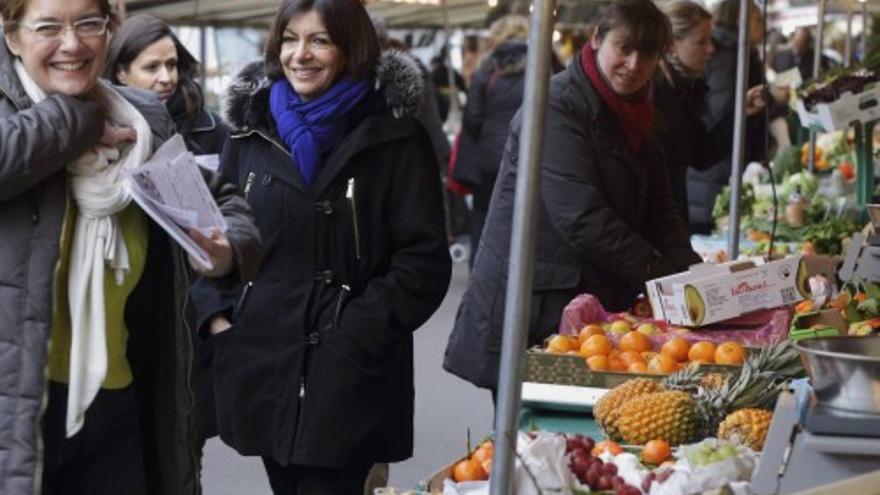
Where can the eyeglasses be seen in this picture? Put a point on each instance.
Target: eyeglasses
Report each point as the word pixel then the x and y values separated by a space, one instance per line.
pixel 84 28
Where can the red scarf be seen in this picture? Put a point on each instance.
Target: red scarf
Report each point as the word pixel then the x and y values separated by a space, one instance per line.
pixel 636 114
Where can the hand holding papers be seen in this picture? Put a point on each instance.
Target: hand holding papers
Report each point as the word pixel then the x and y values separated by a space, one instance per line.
pixel 171 190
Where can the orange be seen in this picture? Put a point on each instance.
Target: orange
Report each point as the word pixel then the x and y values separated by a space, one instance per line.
pixel 662 364
pixel 574 342
pixel 487 466
pixel 596 345
pixel 677 348
pixel 702 352
pixel 634 341
pixel 637 367
pixel 630 357
pixel 648 356
pixel 730 353
pixel 656 452
pixel 609 445
pixel 614 354
pixel 598 363
pixel 617 365
pixel 589 330
pixel 483 452
pixel 559 344
pixel 468 470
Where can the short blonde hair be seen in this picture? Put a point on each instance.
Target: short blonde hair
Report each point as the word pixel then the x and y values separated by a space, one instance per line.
pixel 684 16
pixel 509 27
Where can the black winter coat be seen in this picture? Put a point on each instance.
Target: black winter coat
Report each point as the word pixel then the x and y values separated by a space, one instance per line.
pixel 495 94
pixel 704 186
pixel 607 224
pixel 679 104
pixel 318 368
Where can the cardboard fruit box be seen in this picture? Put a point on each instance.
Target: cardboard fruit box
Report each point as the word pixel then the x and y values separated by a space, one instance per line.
pixel 840 113
pixel 709 293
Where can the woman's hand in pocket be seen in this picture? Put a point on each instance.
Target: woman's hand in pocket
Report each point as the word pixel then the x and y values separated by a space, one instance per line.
pixel 218 325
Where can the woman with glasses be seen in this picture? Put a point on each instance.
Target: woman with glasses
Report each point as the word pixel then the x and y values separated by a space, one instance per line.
pixel 94 349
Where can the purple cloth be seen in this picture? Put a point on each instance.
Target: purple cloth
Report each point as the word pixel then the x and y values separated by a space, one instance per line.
pixel 311 128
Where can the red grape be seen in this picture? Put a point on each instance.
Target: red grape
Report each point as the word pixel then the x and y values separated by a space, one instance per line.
pixel 604 482
pixel 609 469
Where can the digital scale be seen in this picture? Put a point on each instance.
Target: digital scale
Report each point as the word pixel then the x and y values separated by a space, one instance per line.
pixel 811 444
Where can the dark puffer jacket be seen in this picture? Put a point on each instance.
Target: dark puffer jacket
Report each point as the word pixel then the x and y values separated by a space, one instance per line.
pixel 679 104
pixel 37 142
pixel 703 186
pixel 317 369
pixel 607 224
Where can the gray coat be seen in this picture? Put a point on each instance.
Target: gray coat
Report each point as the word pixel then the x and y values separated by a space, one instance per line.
pixel 37 142
pixel 607 223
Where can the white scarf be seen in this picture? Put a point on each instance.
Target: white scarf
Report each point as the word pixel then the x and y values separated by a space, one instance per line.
pixel 100 191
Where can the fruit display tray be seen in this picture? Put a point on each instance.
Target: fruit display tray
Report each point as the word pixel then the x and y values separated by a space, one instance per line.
pixel 562 369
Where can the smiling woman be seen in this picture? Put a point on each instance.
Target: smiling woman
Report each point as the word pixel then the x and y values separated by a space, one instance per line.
pixel 314 361
pixel 104 284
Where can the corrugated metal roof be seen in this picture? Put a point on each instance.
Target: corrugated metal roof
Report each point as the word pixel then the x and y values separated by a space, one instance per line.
pixel 260 12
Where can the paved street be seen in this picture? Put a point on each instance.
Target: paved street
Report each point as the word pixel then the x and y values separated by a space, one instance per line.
pixel 445 408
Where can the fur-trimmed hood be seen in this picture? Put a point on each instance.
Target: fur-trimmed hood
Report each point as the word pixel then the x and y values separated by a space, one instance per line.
pixel 397 77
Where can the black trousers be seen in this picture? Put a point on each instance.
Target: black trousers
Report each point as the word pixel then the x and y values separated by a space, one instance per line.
pixel 306 480
pixel 105 457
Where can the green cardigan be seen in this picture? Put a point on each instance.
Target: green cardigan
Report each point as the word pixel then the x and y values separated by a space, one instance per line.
pixel 134 228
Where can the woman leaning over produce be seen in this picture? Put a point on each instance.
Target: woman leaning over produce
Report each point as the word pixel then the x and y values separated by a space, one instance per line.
pixel 313 361
pixel 608 219
pixel 83 267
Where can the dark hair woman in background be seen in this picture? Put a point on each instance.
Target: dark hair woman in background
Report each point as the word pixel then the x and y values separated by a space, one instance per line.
pixel 313 362
pixel 146 54
pixel 608 221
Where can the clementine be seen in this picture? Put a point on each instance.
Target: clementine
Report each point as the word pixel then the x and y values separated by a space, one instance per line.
pixel 610 445
pixel 596 345
pixel 637 367
pixel 590 330
pixel 702 352
pixel 634 341
pixel 677 348
pixel 598 363
pixel 617 365
pixel 469 470
pixel 730 353
pixel 656 452
pixel 662 364
pixel 559 344
pixel 630 357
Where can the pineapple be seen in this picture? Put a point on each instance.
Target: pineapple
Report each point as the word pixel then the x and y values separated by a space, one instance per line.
pixel 746 427
pixel 607 408
pixel 670 415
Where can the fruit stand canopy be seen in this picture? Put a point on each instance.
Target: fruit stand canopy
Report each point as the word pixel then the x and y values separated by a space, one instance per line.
pixel 426 13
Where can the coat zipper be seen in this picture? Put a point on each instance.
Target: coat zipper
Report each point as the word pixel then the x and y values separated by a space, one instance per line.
pixel 188 375
pixel 248 182
pixel 350 195
pixel 242 299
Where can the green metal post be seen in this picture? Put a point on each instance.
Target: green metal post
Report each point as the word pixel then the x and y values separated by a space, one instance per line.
pixel 865 162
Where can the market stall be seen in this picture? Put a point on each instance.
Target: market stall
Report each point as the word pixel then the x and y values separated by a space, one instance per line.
pixel 702 385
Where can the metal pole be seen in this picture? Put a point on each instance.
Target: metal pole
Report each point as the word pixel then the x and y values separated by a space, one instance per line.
pixel 739 126
pixel 847 48
pixel 450 72
pixel 817 68
pixel 522 246
pixel 203 55
pixel 864 40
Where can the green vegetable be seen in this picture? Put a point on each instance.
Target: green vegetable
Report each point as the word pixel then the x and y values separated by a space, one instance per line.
pixel 786 162
pixel 746 202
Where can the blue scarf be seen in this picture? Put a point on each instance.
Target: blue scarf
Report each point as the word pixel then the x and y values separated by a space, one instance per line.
pixel 310 129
